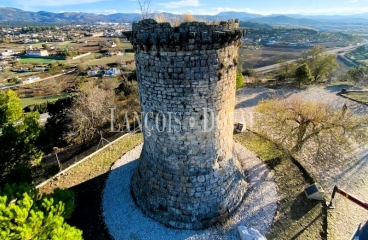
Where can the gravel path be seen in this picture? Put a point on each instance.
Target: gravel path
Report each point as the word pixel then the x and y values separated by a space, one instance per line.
pixel 351 173
pixel 125 221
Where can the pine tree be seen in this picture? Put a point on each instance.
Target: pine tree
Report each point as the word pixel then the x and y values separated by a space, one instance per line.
pixel 19 139
pixel 302 74
pixel 26 215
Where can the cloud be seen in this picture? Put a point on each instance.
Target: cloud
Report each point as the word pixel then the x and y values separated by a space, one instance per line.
pixel 181 3
pixel 209 11
pixel 226 9
pixel 103 12
pixel 52 3
pixel 353 1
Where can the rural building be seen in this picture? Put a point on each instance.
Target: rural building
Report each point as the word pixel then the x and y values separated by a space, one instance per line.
pixel 20 70
pixel 37 52
pixel 6 53
pixel 117 53
pixel 112 72
pixel 31 79
pixel 92 73
pixel 40 69
pixel 3 62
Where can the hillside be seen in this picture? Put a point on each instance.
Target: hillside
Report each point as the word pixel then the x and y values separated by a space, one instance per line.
pixel 8 14
pixel 254 25
pixel 284 20
pixel 15 15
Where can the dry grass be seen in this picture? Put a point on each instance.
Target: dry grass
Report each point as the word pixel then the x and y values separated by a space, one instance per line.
pixel 296 216
pixel 186 17
pixel 358 96
pixel 95 166
pixel 87 181
pixel 175 21
pixel 161 17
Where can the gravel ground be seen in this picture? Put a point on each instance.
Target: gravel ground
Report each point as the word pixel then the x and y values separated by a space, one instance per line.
pixel 125 221
pixel 350 173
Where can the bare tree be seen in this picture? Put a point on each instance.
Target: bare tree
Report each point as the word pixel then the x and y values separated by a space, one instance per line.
pixel 90 112
pixel 299 124
pixel 145 8
pixel 82 67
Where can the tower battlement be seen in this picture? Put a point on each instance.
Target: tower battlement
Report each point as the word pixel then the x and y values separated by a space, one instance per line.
pixel 149 35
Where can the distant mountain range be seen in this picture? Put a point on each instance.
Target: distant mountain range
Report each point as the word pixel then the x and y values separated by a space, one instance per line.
pixel 8 14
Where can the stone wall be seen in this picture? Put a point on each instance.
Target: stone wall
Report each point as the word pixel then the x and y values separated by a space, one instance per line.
pixel 188 175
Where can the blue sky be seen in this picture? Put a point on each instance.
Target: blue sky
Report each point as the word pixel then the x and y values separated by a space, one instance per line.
pixel 210 7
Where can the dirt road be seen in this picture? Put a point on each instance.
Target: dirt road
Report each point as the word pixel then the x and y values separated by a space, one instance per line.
pixel 40 80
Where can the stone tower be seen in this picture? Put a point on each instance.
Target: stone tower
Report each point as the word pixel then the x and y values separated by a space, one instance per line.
pixel 188 176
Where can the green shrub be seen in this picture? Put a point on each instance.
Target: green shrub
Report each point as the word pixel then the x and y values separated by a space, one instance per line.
pixel 25 214
pixel 250 73
pixel 239 80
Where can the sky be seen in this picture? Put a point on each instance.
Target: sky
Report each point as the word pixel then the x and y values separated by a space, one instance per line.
pixel 207 7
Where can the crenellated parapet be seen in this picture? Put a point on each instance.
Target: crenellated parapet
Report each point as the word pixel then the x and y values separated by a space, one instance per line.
pixel 149 35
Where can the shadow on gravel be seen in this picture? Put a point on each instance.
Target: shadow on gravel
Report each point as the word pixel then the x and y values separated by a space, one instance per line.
pixel 254 101
pixel 317 218
pixel 355 168
pixel 87 215
pixel 301 206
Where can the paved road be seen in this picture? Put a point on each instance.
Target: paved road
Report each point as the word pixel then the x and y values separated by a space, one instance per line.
pixel 274 66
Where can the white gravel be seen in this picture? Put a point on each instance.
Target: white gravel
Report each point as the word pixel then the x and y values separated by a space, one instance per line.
pixel 125 221
pixel 349 173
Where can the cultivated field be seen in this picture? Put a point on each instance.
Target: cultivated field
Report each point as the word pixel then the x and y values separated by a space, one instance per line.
pixel 39 60
pixel 24 102
pixel 267 56
pixel 112 59
pixel 47 88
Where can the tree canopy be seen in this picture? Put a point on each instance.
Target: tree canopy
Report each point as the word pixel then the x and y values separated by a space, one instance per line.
pixel 10 109
pixel 296 123
pixel 19 139
pixel 302 74
pixel 26 215
pixel 320 63
pixel 359 75
pixel 285 70
pixel 239 80
pixel 90 110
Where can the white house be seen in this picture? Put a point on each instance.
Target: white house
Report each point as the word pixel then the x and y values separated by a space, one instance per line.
pixel 92 73
pixel 112 72
pixel 6 53
pixel 32 79
pixel 38 52
pixel 41 69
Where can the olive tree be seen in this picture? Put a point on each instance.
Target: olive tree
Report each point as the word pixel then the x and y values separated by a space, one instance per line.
pixel 320 63
pixel 358 75
pixel 298 123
